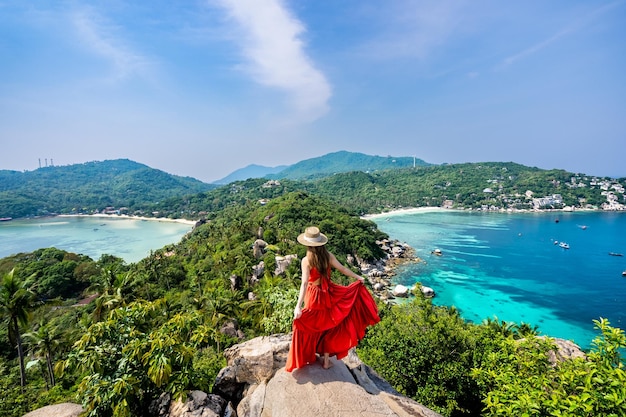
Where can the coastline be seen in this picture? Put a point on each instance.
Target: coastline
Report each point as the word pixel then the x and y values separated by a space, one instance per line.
pixel 414 210
pixel 129 217
pixel 411 210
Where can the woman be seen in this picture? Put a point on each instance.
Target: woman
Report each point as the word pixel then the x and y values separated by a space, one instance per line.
pixel 334 317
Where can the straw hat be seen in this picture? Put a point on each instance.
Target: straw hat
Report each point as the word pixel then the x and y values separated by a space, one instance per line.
pixel 312 237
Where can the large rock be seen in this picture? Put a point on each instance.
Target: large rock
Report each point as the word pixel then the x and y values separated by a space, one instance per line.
pixel 283 262
pixel 57 410
pixel 565 350
pixel 400 291
pixel 255 379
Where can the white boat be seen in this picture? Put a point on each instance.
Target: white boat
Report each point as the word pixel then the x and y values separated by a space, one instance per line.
pixel 564 245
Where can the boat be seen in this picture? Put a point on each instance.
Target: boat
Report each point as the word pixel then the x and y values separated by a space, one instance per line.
pixel 624 273
pixel 5 219
pixel 564 245
pixel 436 252
pixel 615 254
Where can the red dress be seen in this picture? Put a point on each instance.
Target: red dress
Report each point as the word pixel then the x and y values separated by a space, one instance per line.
pixel 333 320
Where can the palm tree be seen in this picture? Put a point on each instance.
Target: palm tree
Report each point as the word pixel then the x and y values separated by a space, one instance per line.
pixel 524 330
pixel 15 302
pixel 503 328
pixel 109 287
pixel 43 342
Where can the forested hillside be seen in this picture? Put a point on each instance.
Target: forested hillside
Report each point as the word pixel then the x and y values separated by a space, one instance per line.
pixel 490 186
pixel 154 325
pixel 114 336
pixel 378 184
pixel 84 188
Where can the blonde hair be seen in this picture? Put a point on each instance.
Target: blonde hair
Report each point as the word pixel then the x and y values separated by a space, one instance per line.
pixel 319 258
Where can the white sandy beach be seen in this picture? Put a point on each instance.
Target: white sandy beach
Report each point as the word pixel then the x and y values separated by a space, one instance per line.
pixel 413 210
pixel 128 217
pixel 403 211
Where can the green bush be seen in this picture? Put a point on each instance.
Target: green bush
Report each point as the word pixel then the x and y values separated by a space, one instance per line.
pixel 425 352
pixel 518 379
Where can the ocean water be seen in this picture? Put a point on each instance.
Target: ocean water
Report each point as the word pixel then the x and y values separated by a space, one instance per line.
pixel 129 239
pixel 508 266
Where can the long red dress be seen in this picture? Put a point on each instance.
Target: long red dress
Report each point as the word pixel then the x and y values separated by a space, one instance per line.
pixel 333 320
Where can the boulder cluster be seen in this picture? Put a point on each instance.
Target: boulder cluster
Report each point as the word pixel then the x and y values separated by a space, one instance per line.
pixel 381 272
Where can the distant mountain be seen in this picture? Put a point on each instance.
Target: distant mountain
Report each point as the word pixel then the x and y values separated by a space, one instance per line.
pixel 344 161
pixel 323 166
pixel 89 187
pixel 251 171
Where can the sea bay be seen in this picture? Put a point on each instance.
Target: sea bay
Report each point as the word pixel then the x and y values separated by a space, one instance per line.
pixel 508 266
pixel 129 238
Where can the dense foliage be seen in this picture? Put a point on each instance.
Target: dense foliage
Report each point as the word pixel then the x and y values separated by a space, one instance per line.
pixel 495 368
pixel 115 336
pixel 125 333
pixel 357 182
pixel 89 187
pixel 470 186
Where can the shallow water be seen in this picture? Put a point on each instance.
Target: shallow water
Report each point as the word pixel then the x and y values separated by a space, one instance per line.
pixel 129 239
pixel 508 266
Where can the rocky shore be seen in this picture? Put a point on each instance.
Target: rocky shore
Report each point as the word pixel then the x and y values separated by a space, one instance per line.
pixel 381 272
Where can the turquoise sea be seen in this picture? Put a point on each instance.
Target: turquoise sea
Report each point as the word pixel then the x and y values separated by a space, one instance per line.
pixel 508 266
pixel 127 238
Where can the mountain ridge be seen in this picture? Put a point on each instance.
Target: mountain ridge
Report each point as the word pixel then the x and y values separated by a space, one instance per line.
pixel 324 165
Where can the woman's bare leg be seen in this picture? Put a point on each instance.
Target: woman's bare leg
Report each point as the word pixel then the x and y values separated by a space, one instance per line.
pixel 327 364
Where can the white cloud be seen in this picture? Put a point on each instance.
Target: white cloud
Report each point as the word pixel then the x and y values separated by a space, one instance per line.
pixel 272 44
pixel 103 39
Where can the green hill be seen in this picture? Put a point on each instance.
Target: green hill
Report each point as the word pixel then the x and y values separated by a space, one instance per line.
pixel 487 185
pixel 344 161
pixel 89 187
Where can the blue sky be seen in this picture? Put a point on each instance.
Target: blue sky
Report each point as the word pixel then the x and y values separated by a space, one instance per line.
pixel 202 88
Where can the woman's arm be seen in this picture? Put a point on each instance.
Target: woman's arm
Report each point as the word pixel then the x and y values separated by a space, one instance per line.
pixel 297 312
pixel 343 269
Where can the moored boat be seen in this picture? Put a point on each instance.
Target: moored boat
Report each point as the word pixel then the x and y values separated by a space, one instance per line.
pixel 564 245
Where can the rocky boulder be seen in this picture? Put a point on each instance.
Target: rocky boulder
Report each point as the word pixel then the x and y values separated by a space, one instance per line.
pixel 255 379
pixel 57 410
pixel 400 291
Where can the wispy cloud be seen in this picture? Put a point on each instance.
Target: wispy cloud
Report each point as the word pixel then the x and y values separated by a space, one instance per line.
pixel 573 27
pixel 413 29
pixel 103 39
pixel 276 56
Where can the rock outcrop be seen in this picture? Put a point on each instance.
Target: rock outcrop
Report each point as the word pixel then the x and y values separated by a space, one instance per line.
pixel 256 381
pixel 57 410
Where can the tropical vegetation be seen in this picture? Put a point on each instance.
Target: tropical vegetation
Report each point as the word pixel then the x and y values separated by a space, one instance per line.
pixel 359 183
pixel 114 336
pixel 92 186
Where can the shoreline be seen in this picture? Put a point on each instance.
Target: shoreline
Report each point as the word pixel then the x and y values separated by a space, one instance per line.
pixel 411 210
pixel 129 217
pixel 414 210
